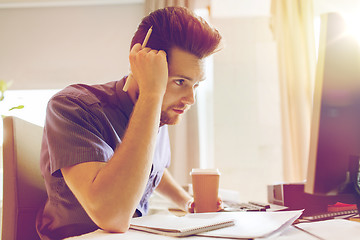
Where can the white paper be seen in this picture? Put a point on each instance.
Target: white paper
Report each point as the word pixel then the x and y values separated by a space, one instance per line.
pixel 255 224
pixel 248 225
pixel 334 229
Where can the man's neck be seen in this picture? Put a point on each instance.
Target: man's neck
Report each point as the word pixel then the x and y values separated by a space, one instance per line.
pixel 133 92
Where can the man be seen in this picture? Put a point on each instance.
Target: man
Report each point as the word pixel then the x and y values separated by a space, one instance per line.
pixel 104 150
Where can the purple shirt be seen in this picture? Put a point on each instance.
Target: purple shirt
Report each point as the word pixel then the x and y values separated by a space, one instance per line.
pixel 83 124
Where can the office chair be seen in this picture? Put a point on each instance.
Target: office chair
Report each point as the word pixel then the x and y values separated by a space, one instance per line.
pixel 24 189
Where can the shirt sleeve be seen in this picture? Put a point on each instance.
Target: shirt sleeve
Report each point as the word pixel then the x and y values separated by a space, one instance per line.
pixel 74 133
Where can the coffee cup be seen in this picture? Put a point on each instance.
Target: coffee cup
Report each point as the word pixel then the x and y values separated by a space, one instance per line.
pixel 205 189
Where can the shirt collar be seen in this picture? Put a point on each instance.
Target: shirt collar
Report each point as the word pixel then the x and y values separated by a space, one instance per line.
pixel 124 99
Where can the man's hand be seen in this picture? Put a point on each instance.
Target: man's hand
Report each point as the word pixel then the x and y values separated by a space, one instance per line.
pixel 191 205
pixel 150 69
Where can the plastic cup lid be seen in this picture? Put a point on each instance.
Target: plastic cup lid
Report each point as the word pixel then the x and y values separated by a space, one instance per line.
pixel 212 171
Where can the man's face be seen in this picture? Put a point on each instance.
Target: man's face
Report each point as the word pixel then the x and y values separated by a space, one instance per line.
pixel 185 73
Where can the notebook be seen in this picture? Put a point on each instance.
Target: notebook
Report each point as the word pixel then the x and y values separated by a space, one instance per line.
pixel 171 225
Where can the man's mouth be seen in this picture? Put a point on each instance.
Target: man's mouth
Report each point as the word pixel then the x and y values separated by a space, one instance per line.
pixel 179 111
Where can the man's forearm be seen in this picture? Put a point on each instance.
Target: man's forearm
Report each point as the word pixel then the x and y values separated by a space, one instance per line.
pixel 126 174
pixel 169 188
pixel 110 192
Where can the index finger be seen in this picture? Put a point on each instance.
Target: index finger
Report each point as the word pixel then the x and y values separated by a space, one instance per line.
pixel 136 48
pixel 162 52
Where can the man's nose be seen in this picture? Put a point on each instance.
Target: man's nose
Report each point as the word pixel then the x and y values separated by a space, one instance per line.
pixel 189 99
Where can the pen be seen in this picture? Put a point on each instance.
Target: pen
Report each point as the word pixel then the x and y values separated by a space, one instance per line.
pixel 126 86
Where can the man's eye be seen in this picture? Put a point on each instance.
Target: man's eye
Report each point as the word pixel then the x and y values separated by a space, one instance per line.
pixel 179 82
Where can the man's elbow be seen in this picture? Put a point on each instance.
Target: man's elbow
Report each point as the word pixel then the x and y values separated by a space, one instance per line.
pixel 120 225
pixel 115 228
pixel 109 219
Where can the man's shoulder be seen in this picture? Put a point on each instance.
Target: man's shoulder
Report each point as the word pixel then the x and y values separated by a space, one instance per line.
pixel 86 94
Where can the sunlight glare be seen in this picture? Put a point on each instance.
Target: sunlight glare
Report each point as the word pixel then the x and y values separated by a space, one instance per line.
pixel 352 22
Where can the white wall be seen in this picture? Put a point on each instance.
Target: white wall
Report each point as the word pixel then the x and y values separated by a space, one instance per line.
pixel 51 47
pixel 247 113
pixel 246 97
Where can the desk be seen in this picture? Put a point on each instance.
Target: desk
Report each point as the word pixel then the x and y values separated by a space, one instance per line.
pixel 329 230
pixel 289 234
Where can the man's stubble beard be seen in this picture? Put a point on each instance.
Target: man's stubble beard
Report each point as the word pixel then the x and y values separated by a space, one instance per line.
pixel 166 119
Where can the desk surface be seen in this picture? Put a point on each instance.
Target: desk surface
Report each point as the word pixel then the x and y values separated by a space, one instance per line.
pixel 289 234
pixel 330 230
